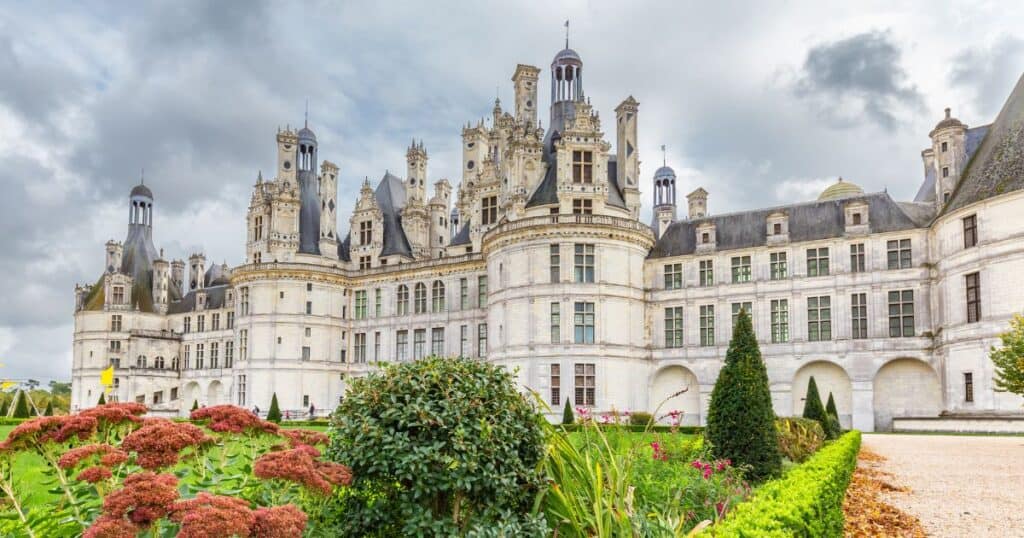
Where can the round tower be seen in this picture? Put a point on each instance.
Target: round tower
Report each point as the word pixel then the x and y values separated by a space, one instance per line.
pixel 140 206
pixel 664 199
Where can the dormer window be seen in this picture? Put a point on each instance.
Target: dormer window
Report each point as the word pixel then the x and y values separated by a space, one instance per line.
pixel 365 232
pixel 489 210
pixel 856 219
pixel 777 228
pixel 856 213
pixel 705 238
pixel 583 167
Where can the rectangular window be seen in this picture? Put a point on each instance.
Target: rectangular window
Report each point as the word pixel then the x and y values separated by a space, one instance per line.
pixel 780 321
pixel 231 320
pixel 174 393
pixel 583 263
pixel 736 307
pixel 376 346
pixel 214 354
pixel 707 272
pixel 420 298
pixel 556 323
pixel 857 258
pixel 158 397
pixel 898 254
pixel 243 344
pixel 859 315
pixel 707 325
pixel 464 341
pixel 187 325
pixel 556 384
pixel 258 228
pixel 585 383
pixel 673 276
pixel 968 387
pixel 115 346
pixel 402 300
pixel 361 304
pixel 945 147
pixel 945 171
pixel 214 322
pixel 187 348
pixel 555 257
pixel 582 207
pixel 309 307
pixel 118 295
pixel 419 343
pixel 973 285
pixel 819 318
pixel 305 353
pixel 199 356
pixel 437 341
pixel 365 262
pixel 115 323
pixel 582 166
pixel 200 323
pixel 229 354
pixel 817 261
pixel 740 269
pixel 243 302
pixel 241 390
pixel 481 292
pixel 901 313
pixel 378 308
pixel 437 296
pixel 359 348
pixel 970 231
pixel 489 210
pixel 464 293
pixel 481 340
pixel 402 345
pixel 365 232
pixel 674 326
pixel 583 322
pixel 779 265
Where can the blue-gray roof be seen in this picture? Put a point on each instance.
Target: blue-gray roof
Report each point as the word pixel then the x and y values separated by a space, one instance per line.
pixel 215 296
pixel 390 195
pixel 547 192
pixel 461 238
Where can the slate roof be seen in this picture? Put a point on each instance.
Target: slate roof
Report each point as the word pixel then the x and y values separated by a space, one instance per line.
pixel 137 262
pixel 808 221
pixel 214 299
pixel 997 166
pixel 390 195
pixel 344 248
pixel 547 191
pixel 461 238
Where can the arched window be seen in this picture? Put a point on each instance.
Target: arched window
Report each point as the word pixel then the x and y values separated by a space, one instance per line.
pixel 437 297
pixel 403 300
pixel 158 363
pixel 140 362
pixel 421 298
pixel 175 364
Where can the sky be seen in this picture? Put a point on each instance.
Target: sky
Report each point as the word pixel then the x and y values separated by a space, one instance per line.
pixel 761 103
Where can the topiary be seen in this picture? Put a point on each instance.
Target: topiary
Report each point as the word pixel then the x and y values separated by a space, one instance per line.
pixel 195 405
pixel 49 410
pixel 274 413
pixel 640 418
pixel 830 409
pixel 567 415
pixel 20 406
pixel 456 450
pixel 813 408
pixel 103 399
pixel 741 422
pixel 4 407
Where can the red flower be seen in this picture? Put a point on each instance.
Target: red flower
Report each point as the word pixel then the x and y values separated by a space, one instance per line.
pixel 116 413
pixel 94 474
pixel 305 437
pixel 158 442
pixel 45 429
pixel 144 498
pixel 73 457
pixel 232 419
pixel 213 516
pixel 110 527
pixel 116 457
pixel 297 465
pixel 279 522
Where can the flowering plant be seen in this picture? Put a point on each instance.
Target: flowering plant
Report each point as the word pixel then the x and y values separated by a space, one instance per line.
pixel 110 472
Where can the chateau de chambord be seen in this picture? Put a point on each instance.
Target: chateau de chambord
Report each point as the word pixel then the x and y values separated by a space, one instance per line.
pixel 536 258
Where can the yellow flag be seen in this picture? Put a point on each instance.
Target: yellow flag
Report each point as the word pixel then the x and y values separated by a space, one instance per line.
pixel 107 377
pixel 7 384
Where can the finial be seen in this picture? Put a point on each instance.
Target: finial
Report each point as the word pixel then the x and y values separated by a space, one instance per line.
pixel 947 112
pixel 664 159
pixel 142 176
pixel 306 119
pixel 566 33
pixel 840 179
pixel 259 177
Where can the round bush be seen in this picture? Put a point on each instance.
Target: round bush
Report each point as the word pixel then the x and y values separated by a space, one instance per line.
pixel 437 447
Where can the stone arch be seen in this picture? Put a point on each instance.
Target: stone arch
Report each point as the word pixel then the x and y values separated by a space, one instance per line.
pixel 905 388
pixel 191 393
pixel 214 393
pixel 830 377
pixel 670 380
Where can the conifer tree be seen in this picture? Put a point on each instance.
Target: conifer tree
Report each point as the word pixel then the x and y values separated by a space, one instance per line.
pixel 567 415
pixel 830 407
pixel 195 405
pixel 103 399
pixel 274 413
pixel 741 422
pixel 21 406
pixel 4 407
pixel 814 410
pixel 833 416
pixel 49 409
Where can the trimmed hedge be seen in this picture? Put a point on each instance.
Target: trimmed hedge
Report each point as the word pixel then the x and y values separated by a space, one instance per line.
pixel 658 428
pixel 8 421
pixel 807 501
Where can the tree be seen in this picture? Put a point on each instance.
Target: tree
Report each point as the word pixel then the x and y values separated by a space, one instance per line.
pixel 274 413
pixel 567 415
pixel 1009 359
pixel 741 422
pixel 195 405
pixel 103 399
pixel 20 406
pixel 58 388
pixel 830 407
pixel 49 410
pixel 4 407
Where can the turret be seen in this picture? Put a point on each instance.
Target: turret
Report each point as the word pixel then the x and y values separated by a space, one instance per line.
pixel 328 208
pixel 309 195
pixel 664 200
pixel 525 82
pixel 948 156
pixel 439 223
pixel 698 203
pixel 416 175
pixel 178 276
pixel 140 206
pixel 161 283
pixel 196 271
pixel 115 253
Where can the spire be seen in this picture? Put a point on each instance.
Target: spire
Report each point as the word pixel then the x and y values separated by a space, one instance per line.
pixel 306 118
pixel 664 158
pixel 566 33
pixel 142 176
pixel 259 177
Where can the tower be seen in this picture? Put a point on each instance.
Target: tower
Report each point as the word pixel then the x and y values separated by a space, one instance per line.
pixel 196 271
pixel 948 156
pixel 115 252
pixel 161 284
pixel 627 158
pixel 178 276
pixel 566 89
pixel 416 161
pixel 524 80
pixel 698 203
pixel 439 231
pixel 309 195
pixel 287 151
pixel 328 208
pixel 664 199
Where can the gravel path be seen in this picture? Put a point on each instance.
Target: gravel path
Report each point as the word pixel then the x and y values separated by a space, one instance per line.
pixel 960 485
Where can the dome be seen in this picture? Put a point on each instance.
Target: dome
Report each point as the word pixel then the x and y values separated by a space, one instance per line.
pixel 567 55
pixel 948 121
pixel 840 189
pixel 307 134
pixel 665 172
pixel 141 190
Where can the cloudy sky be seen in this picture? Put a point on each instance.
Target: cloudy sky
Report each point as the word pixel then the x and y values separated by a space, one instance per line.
pixel 760 103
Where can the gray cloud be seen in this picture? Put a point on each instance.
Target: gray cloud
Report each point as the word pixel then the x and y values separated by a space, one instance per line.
pixel 858 78
pixel 989 73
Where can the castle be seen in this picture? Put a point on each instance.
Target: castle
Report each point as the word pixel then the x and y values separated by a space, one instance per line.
pixel 539 261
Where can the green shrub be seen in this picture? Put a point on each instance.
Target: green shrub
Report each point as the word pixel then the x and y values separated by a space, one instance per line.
pixel 274 413
pixel 808 501
pixel 437 447
pixel 567 415
pixel 799 438
pixel 830 409
pixel 656 428
pixel 741 422
pixel 49 409
pixel 640 418
pixel 20 406
pixel 814 410
pixel 103 399
pixel 195 405
pixel 4 407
